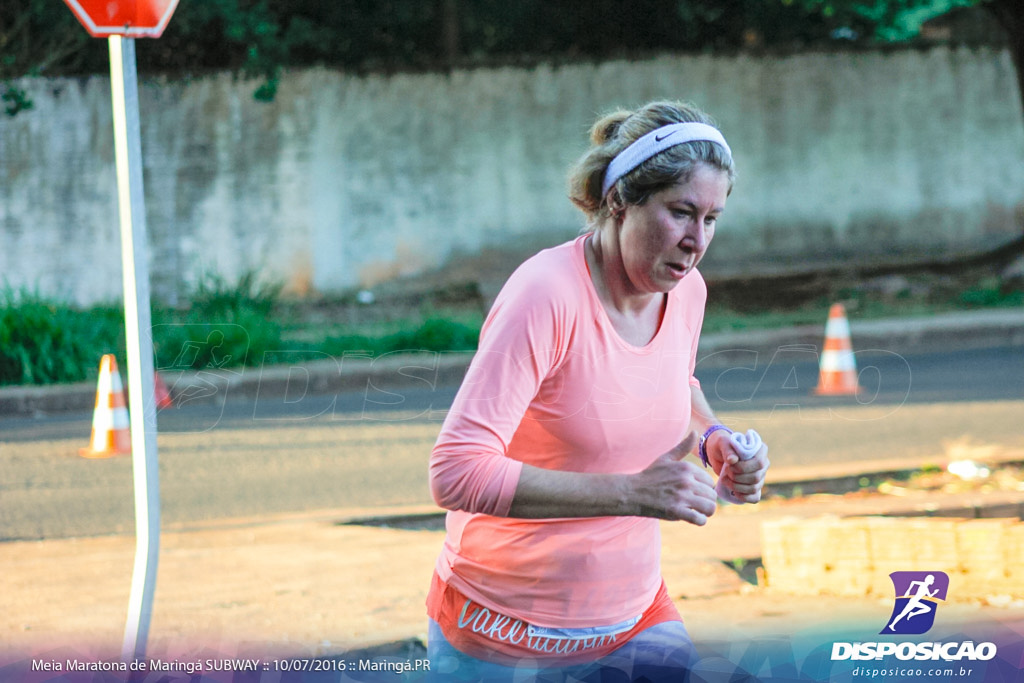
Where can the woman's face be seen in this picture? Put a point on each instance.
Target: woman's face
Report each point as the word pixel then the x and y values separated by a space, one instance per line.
pixel 662 240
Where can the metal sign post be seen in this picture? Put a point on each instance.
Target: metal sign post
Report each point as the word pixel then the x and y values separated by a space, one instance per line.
pixel 141 398
pixel 121 22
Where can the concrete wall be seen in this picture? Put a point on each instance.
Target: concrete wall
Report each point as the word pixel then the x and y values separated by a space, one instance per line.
pixel 349 181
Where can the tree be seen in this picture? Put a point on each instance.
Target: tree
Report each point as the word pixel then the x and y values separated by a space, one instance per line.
pixel 258 38
pixel 43 38
pixel 34 36
pixel 899 20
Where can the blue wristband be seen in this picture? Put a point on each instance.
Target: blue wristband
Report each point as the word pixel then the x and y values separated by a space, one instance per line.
pixel 702 449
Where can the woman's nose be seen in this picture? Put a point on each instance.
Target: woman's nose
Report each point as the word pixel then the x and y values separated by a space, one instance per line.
pixel 694 238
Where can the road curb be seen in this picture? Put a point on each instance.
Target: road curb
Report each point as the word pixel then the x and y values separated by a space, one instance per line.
pixel 945 332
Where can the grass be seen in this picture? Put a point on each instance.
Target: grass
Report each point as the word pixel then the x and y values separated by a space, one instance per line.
pixel 42 342
pixel 921 296
pixel 432 334
pixel 246 323
pixel 226 325
pixel 990 292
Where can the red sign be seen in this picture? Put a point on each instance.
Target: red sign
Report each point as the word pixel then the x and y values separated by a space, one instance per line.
pixel 128 18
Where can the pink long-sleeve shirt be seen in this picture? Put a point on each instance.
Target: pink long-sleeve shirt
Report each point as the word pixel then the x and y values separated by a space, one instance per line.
pixel 555 386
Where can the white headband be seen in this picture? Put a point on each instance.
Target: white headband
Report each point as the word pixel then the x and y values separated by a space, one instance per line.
pixel 658 141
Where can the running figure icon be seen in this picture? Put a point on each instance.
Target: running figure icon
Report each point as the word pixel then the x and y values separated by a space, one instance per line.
pixel 917 605
pixel 917 594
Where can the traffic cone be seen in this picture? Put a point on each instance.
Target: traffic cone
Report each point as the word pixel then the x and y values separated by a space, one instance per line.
pixel 110 430
pixel 838 373
pixel 162 393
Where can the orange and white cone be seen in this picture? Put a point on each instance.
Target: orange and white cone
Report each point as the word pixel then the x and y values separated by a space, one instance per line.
pixel 838 369
pixel 110 425
pixel 161 393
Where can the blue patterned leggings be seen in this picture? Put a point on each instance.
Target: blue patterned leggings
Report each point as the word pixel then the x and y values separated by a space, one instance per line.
pixel 663 652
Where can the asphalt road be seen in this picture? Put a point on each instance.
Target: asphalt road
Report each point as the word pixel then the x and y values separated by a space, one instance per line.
pixel 369 450
pixel 886 378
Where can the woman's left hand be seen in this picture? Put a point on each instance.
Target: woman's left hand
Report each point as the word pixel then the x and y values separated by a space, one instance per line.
pixel 745 478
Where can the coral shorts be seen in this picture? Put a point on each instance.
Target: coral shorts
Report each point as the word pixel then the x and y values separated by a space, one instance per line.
pixel 491 636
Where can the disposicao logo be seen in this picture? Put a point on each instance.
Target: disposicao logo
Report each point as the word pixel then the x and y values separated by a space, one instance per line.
pixel 917 599
pixel 918 595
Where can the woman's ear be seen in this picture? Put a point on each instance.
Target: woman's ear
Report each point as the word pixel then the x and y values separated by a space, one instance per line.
pixel 615 204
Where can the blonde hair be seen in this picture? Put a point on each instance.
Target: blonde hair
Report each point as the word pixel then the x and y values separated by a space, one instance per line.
pixel 615 131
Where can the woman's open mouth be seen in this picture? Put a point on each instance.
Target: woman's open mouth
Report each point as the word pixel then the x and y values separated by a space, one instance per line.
pixel 677 270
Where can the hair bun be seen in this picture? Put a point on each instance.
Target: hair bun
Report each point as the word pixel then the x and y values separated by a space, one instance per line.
pixel 607 126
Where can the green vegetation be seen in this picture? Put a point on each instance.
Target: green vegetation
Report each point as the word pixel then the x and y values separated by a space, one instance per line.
pixel 990 292
pixel 770 306
pixel 226 325
pixel 897 21
pixel 432 334
pixel 258 39
pixel 44 341
pixel 720 319
pixel 893 20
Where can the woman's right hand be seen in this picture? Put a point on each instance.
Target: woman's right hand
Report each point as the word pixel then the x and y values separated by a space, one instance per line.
pixel 672 488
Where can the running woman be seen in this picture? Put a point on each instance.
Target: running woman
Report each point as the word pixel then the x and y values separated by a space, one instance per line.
pixel 568 439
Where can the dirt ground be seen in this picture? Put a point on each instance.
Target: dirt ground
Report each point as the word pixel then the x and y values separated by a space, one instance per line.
pixel 301 586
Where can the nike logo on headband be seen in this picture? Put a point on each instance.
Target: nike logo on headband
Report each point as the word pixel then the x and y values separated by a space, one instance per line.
pixel 650 144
